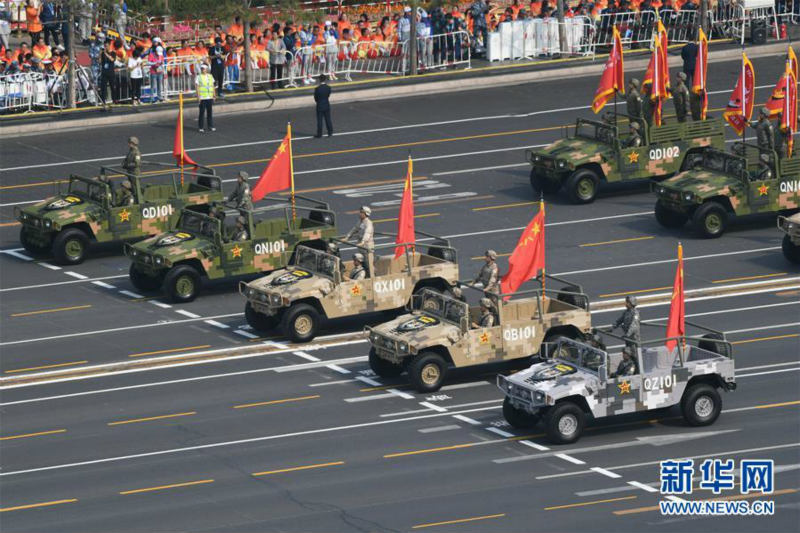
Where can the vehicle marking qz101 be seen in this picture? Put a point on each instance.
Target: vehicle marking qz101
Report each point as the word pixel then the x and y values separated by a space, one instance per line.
pixel 390 285
pixel 669 152
pixel 659 382
pixel 270 247
pixel 157 211
pixel 518 334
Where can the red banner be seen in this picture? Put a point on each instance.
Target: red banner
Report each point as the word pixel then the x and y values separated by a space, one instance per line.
pixel 676 323
pixel 178 152
pixel 405 222
pixel 613 77
pixel 277 176
pixel 528 257
pixel 740 105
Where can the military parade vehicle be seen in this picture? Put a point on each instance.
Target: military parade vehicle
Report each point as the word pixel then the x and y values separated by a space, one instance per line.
pixel 790 226
pixel 596 153
pixel 87 212
pixel 318 286
pixel 719 185
pixel 201 246
pixel 578 381
pixel 441 331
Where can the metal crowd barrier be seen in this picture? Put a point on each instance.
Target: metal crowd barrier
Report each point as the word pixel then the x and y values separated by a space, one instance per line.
pixel 34 91
pixel 528 39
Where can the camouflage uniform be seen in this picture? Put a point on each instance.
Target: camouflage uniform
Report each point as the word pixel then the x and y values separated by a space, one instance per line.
pixel 125 194
pixel 764 168
pixel 241 197
pixel 487 317
pixel 765 133
pixel 629 322
pixel 358 271
pixel 241 232
pixel 627 366
pixel 648 108
pixel 696 105
pixel 680 96
pixel 781 140
pixel 133 161
pixel 634 99
pixel 363 231
pixel 489 276
pixel 635 139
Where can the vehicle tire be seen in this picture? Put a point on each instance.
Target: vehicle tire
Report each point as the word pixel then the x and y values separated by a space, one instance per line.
pixel 701 404
pixel 182 283
pixel 382 367
pixel 571 299
pixel 142 281
pixel 710 220
pixel 427 371
pixel 70 246
pixel 259 321
pixel 541 184
pixel 322 217
pixel 669 218
pixel 518 418
pixel 564 423
pixel 30 246
pixel 582 186
pixel 712 345
pixel 791 251
pixel 300 322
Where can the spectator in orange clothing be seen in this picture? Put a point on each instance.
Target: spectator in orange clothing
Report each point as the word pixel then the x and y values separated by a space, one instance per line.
pixel 34 23
pixel 236 30
pixel 144 43
pixel 41 50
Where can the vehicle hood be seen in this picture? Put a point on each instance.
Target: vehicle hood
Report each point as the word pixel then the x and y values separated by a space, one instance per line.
pixel 64 209
pixel 177 245
pixel 419 329
pixel 703 183
pixel 575 150
pixel 558 378
pixel 293 283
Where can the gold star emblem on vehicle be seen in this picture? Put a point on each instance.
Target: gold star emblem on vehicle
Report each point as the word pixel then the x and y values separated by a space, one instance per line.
pixel 625 387
pixel 236 251
pixel 484 338
pixel 763 190
pixel 124 215
pixel 633 157
pixel 356 290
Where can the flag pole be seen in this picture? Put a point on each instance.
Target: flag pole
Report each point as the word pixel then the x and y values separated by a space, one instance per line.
pixel 544 274
pixel 291 169
pixel 180 112
pixel 744 92
pixel 680 265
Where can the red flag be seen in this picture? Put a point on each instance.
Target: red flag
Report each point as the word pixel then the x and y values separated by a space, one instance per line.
pixel 659 91
pixel 776 104
pixel 278 174
pixel 676 323
pixel 405 223
pixel 659 52
pixel 792 59
pixel 180 155
pixel 528 257
pixel 789 118
pixel 613 78
pixel 701 71
pixel 736 114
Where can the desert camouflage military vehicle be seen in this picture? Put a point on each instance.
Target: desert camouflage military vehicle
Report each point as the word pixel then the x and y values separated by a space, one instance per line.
pixel 201 247
pixel 719 185
pixel 596 153
pixel 441 331
pixel 791 240
pixel 579 381
pixel 68 223
pixel 317 286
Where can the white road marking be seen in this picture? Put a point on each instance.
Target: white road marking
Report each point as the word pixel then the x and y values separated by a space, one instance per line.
pixel 468 385
pixel 534 445
pixel 467 419
pixel 759 367
pixel 58 283
pixel 131 294
pixel 767 372
pixel 466 170
pixel 570 459
pixel 216 324
pixel 103 284
pixel 48 265
pixel 401 394
pixel 371 397
pixel 187 313
pixel 439 428
pixel 369 381
pixel 607 473
pixel 18 254
pixel 245 334
pixel 434 407
pixel 499 431
pixel 306 356
pixel 646 488
pixel 337 368
pixel 162 305
pixel 338 382
pixel 75 274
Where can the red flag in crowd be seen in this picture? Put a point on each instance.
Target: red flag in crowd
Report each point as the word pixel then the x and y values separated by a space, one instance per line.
pixel 613 78
pixel 528 257
pixel 180 155
pixel 740 106
pixel 278 175
pixel 405 223
pixel 701 71
pixel 676 323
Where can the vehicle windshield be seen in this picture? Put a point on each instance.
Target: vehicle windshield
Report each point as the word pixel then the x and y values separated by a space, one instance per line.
pixel 316 261
pixel 595 131
pixel 198 224
pixel 578 354
pixel 721 162
pixel 88 190
pixel 441 306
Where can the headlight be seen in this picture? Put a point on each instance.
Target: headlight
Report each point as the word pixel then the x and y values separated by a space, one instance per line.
pixel 789 226
pixel 23 216
pixel 374 338
pixel 688 196
pixel 159 260
pixel 134 253
pixel 48 223
pixel 537 158
pixel 263 297
pixel 403 347
pixel 275 299
pixel 661 190
pixel 562 164
pixel 538 397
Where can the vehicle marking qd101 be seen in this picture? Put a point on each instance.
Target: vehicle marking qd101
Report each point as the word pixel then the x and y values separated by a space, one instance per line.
pixel 390 285
pixel 519 334
pixel 669 152
pixel 157 211
pixel 270 247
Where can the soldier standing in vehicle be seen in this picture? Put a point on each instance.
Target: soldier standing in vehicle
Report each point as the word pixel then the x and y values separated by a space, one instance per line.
pixel 696 105
pixel 125 194
pixel 629 322
pixel 626 367
pixel 680 96
pixel 489 275
pixel 458 294
pixel 648 106
pixel 358 272
pixel 634 99
pixel 240 234
pixel 634 139
pixel 765 133
pixel 103 178
pixel 764 168
pixel 487 317
pixel 364 232
pixel 241 195
pixel 133 160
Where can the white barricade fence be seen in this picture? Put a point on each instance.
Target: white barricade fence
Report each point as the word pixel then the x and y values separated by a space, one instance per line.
pixel 444 50
pixel 729 19
pixel 528 39
pixel 34 91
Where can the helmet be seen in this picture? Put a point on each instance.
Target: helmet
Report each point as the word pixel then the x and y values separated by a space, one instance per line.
pixel 764 158
pixel 333 247
pixel 487 303
pixel 635 126
pixel 682 76
pixel 630 300
pixel 634 82
pixel 126 184
pixel 627 350
pixel 244 175
pixel 491 254
pixel 366 210
pixel 456 292
pixel 764 112
pixel 358 257
pixel 240 220
pixel 133 140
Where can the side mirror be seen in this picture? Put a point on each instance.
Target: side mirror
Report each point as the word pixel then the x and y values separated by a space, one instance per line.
pixel 602 372
pixel 464 324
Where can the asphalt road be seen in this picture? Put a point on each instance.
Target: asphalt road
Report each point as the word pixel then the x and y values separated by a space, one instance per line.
pixel 285 439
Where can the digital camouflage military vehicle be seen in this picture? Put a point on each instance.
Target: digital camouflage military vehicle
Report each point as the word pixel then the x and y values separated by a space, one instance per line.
pixel 440 331
pixel 579 381
pixel 790 226
pixel 719 185
pixel 87 212
pixel 595 153
pixel 201 246
pixel 317 286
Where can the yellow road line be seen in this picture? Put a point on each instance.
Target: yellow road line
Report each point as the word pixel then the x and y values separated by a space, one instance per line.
pixel 750 277
pixel 171 350
pixel 39 434
pixel 782 404
pixel 634 292
pixel 4 224
pixel 759 339
pixel 632 239
pixel 164 487
pixel 459 446
pixel 724 498
pixel 296 468
pixel 275 402
pixel 35 505
pixel 56 310
pixel 460 521
pixel 427 215
pixel 148 419
pixel 584 504
pixel 32 368
pixel 488 207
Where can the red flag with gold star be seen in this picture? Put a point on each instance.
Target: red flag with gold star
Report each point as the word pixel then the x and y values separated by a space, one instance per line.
pixel 405 223
pixel 676 323
pixel 278 174
pixel 528 257
pixel 178 152
pixel 740 105
pixel 613 77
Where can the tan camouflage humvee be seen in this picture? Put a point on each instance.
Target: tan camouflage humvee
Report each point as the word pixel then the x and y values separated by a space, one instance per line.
pixel 441 331
pixel 317 286
pixel 87 212
pixel 791 240
pixel 580 381
pixel 596 153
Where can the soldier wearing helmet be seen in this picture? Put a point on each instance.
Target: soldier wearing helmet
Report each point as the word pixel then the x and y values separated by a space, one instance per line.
pixel 634 139
pixel 486 319
pixel 363 231
pixel 634 99
pixel 628 322
pixel 125 194
pixel 764 168
pixel 489 275
pixel 358 271
pixel 241 196
pixel 457 294
pixel 626 367
pixel 765 133
pixel 240 233
pixel 133 160
pixel 680 97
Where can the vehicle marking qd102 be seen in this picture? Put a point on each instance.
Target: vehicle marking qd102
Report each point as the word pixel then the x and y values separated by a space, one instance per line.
pixel 659 382
pixel 390 285
pixel 270 247
pixel 519 334
pixel 157 211
pixel 669 152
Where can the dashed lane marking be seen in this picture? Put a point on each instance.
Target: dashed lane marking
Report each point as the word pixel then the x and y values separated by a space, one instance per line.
pixel 216 324
pixel 459 521
pixel 276 402
pixel 245 334
pixel 534 445
pixel 45 367
pixel 369 381
pixel 162 305
pixel 48 311
pixel 48 265
pixel 500 432
pixel 36 505
pixel 75 274
pixel 307 357
pixel 434 407
pixel 337 368
pixel 646 488
pixel 297 468
pixel 187 313
pixel 170 350
pixel 150 418
pixel 584 504
pixel 467 419
pixel 19 255
pixel 37 434
pixel 607 473
pixel 165 487
pixel 103 284
pixel 131 294
pixel 570 459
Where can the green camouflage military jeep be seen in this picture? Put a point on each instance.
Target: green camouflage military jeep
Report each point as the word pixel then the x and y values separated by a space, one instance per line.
pixel 719 185
pixel 200 245
pixel 438 333
pixel 317 286
pixel 578 382
pixel 790 226
pixel 595 153
pixel 67 223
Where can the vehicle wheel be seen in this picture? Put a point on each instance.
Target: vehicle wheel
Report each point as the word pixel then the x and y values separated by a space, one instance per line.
pixel 300 322
pixel 542 184
pixel 701 404
pixel 712 345
pixel 791 251
pixel 30 246
pixel 710 220
pixel 582 186
pixel 142 281
pixel 182 283
pixel 426 371
pixel 382 367
pixel 70 246
pixel 517 417
pixel 564 423
pixel 259 321
pixel 571 299
pixel 669 218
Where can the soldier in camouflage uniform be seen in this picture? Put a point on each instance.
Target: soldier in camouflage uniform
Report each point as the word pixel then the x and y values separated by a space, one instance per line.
pixel 241 197
pixel 457 294
pixel 487 316
pixel 103 178
pixel 627 366
pixel 125 194
pixel 781 138
pixel 629 322
pixel 648 106
pixel 241 233
pixel 364 232
pixel 489 276
pixel 133 160
pixel 764 171
pixel 635 138
pixel 765 133
pixel 634 99
pixel 358 272
pixel 680 96
pixel 696 105
pixel 95 51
